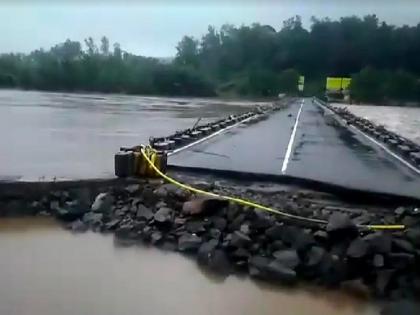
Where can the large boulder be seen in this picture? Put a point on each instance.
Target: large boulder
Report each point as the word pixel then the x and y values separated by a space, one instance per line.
pixel 103 203
pixel 204 206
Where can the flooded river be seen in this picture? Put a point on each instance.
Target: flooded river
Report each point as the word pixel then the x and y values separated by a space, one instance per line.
pixel 404 121
pixel 45 270
pixel 72 135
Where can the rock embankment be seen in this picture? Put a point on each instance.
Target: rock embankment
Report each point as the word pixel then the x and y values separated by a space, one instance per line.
pixel 228 238
pixel 406 148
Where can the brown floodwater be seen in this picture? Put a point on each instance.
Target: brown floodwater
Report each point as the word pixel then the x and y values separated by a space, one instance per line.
pixel 46 270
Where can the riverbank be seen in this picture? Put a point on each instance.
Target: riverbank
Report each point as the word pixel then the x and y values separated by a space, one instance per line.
pixel 230 239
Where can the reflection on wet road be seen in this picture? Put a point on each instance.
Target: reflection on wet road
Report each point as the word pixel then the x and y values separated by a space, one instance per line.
pixel 46 270
pixel 321 151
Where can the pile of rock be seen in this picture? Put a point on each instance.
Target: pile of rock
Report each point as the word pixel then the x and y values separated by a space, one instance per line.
pixel 231 238
pixel 402 146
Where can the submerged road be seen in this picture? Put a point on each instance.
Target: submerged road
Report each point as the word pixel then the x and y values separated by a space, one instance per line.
pixel 304 142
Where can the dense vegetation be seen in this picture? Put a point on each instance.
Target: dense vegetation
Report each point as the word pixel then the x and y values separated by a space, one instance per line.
pixel 256 60
pixel 67 66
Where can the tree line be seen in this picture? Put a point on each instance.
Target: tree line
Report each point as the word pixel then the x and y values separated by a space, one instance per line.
pixel 256 60
pixel 70 67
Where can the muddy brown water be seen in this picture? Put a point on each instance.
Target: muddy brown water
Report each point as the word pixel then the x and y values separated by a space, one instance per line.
pixel 404 121
pixel 46 270
pixel 75 135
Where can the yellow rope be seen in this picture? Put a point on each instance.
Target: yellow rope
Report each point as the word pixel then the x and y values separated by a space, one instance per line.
pixel 256 205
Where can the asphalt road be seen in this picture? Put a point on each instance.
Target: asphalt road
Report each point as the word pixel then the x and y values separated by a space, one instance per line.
pixel 311 146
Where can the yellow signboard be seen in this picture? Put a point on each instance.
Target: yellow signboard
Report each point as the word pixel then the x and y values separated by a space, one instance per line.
pixel 301 83
pixel 345 83
pixel 338 84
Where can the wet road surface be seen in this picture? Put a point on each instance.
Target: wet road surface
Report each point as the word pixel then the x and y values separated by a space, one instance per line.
pixel 320 150
pixel 46 270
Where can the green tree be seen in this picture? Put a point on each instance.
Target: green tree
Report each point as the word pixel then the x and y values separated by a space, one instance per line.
pixel 187 52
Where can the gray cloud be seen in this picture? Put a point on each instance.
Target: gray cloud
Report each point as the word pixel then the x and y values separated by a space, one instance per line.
pixel 154 27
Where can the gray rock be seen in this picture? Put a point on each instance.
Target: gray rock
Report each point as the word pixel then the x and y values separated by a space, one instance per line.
pixel 314 256
pixel 144 213
pixel 401 307
pixel 321 236
pixel 413 235
pixel 163 215
pixel 303 241
pixel 258 266
pixel 195 227
pixel 241 253
pixel 125 232
pixel 340 224
pixel 205 251
pixel 410 221
pixel 401 260
pixel 239 239
pixel 219 262
pixel 111 225
pixel 215 234
pixel 278 272
pixel 403 245
pixel 378 261
pixel 219 223
pixel 277 245
pixel 169 246
pixel 79 226
pixel 358 248
pixel 379 242
pixel 275 232
pixel 400 211
pixel 189 242
pixel 156 237
pixel 262 221
pixel 203 206
pixel 288 258
pixel 245 229
pixel 180 221
pixel 93 219
pixel 237 222
pixel 383 279
pixel 103 203
pixel 131 189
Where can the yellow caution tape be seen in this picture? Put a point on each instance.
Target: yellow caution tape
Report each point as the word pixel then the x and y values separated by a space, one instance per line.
pixel 253 204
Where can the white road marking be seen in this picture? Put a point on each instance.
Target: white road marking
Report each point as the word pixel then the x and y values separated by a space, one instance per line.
pixel 208 137
pixel 292 139
pixel 383 147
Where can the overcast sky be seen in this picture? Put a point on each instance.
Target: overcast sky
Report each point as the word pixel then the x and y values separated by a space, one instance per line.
pixel 153 28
